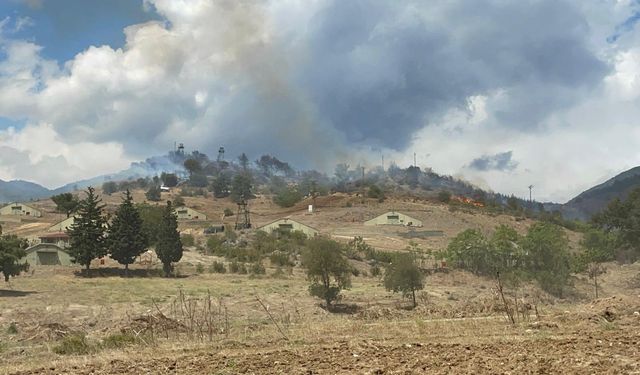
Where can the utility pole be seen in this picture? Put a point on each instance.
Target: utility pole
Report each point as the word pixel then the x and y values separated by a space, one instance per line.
pixel 530 188
pixel 363 188
pixel 414 160
pixel 383 162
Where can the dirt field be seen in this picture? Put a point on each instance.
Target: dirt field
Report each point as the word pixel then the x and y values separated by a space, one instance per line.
pixel 457 328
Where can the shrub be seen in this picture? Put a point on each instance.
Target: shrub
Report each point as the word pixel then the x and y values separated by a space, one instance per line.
pixel 376 271
pixel 287 197
pixel 74 344
pixel 444 196
pixel 228 212
pixel 236 267
pixel 278 273
pixel 376 192
pixel 279 258
pixel 217 267
pixel 178 201
pixel 257 268
pixel 12 329
pixel 216 246
pixel 118 340
pixel 187 240
pixel 199 268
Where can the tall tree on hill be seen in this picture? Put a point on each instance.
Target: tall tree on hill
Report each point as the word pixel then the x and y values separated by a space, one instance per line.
pixel 87 233
pixel 192 166
pixel 126 239
pixel 169 246
pixel 11 251
pixel 244 161
pixel 241 187
pixel 66 203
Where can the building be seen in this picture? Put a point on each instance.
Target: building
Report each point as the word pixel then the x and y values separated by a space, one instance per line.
pixel 394 218
pixel 288 225
pixel 62 226
pixel 186 213
pixel 50 250
pixel 19 209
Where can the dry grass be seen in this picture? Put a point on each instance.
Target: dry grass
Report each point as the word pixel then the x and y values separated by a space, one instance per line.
pixel 103 306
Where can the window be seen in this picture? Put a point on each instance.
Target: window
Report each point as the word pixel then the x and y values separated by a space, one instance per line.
pixel 393 217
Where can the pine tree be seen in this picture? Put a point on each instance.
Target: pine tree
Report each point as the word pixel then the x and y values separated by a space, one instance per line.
pixel 126 239
pixel 11 251
pixel 87 234
pixel 169 246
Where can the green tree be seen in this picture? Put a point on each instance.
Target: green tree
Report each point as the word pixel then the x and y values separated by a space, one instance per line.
pixel 126 239
pixel 513 204
pixel 151 216
pixel 622 220
pixel 109 187
pixel 221 186
pixel 241 188
pixel 169 246
pixel 154 194
pixel 506 248
pixel 287 197
pixel 87 231
pixel 547 260
pixel 192 166
pixel 327 269
pixel 12 250
pixel 471 250
pixel 66 203
pixel 198 180
pixel 376 192
pixel 403 275
pixel 244 161
pixel 598 247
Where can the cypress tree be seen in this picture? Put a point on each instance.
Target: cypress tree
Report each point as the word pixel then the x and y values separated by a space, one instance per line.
pixel 11 251
pixel 169 246
pixel 126 239
pixel 87 233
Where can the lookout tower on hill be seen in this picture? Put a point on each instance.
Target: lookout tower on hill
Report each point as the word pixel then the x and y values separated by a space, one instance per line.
pixel 243 219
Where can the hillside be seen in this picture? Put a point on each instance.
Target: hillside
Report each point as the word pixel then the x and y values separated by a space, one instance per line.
pixel 22 191
pixel 595 199
pixel 18 190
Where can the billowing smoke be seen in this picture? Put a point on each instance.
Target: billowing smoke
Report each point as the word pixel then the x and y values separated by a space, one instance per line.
pixel 313 82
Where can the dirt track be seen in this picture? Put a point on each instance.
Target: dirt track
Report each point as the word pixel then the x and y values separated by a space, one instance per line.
pixel 616 352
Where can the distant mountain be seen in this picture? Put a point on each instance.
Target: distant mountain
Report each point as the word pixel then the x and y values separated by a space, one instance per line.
pixel 18 190
pixel 23 191
pixel 595 199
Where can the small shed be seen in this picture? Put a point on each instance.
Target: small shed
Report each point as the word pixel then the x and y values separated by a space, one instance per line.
pixel 288 225
pixel 394 218
pixel 62 226
pixel 19 209
pixel 186 213
pixel 50 251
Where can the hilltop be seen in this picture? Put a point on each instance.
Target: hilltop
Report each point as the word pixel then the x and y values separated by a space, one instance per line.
pixel 593 200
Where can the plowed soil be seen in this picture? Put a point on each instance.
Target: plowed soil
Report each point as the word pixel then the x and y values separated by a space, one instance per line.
pixel 609 353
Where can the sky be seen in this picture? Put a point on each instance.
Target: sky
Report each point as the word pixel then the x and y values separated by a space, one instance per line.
pixel 503 94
